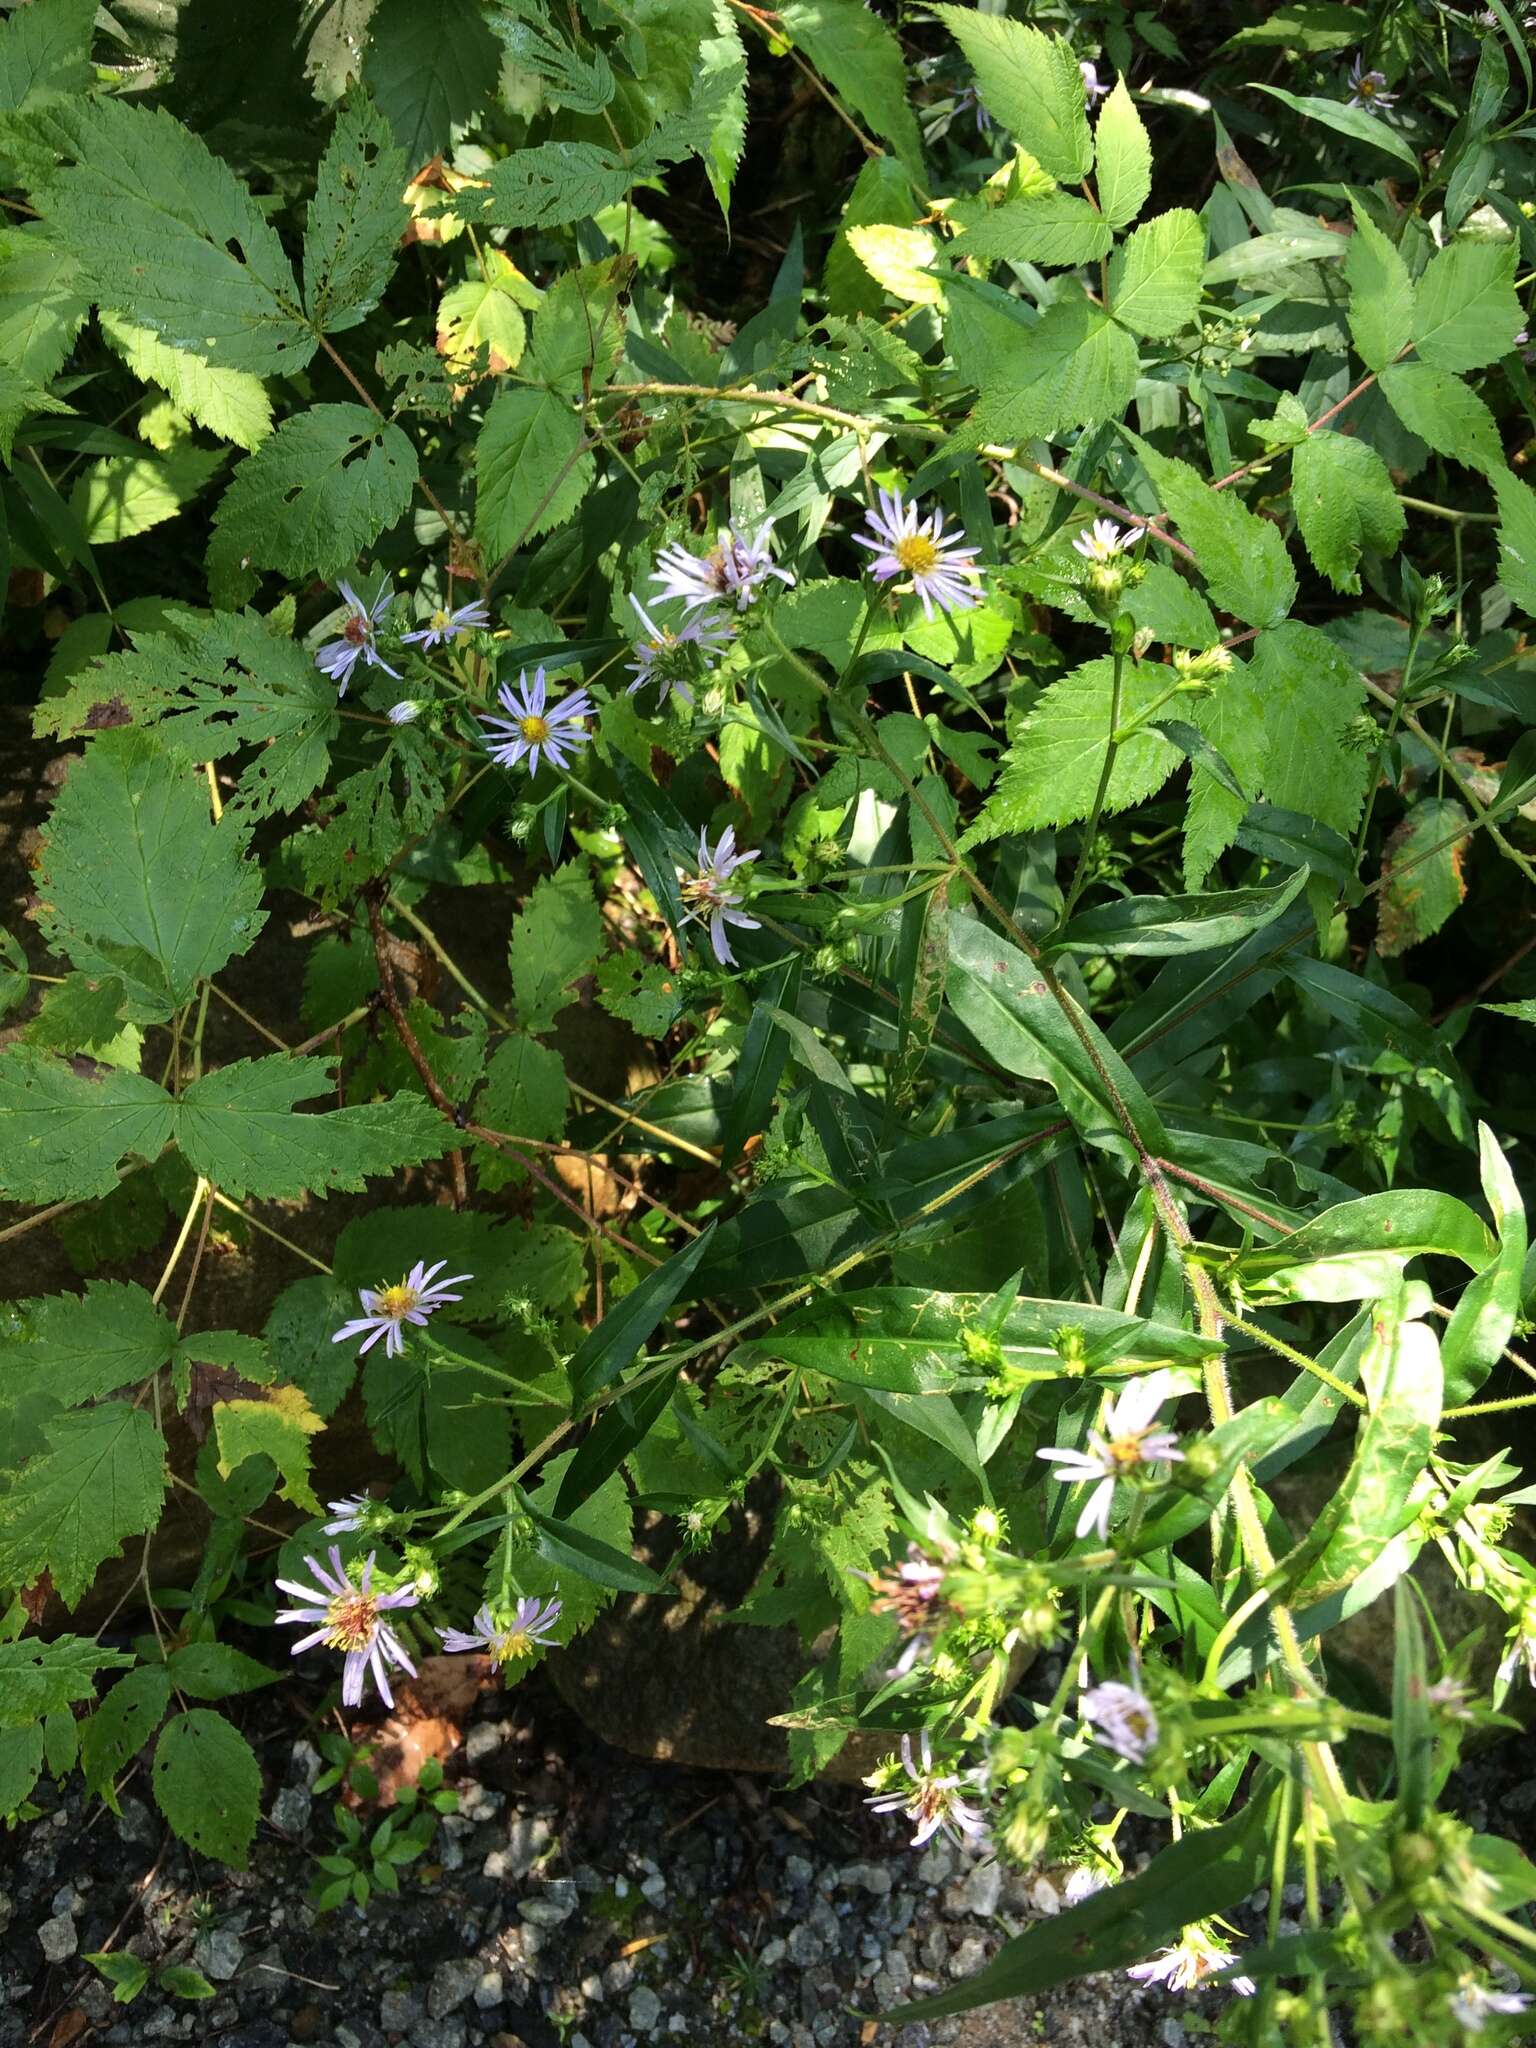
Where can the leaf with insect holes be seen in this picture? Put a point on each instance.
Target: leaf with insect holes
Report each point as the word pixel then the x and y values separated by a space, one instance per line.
pixel 208 1785
pixel 101 1480
pixel 356 218
pixel 39 1678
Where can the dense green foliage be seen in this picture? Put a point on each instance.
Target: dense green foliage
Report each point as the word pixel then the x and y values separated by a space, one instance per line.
pixel 962 629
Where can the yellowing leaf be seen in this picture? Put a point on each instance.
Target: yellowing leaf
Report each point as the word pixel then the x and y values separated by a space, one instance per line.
pixel 278 1427
pixel 900 259
pixel 486 310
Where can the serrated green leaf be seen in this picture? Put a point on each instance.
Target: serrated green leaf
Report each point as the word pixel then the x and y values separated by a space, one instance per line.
pixel 1124 158
pixel 137 880
pixel 238 1126
pixel 1232 719
pixel 42 307
pixel 81 1014
pixel 1422 878
pixel 1241 556
pixel 1074 363
pixel 278 1427
pixel 556 938
pixel 1154 279
pixel 230 403
pixel 1056 228
pixel 1345 504
pixel 208 1785
pixel 123 495
pixel 525 1095
pixel 101 1480
pixel 862 60
pixel 485 312
pixel 45 51
pixel 1051 771
pixel 1031 83
pixel 1517 539
pixel 1465 310
pixel 39 1678
pixel 1380 294
pixel 356 218
pixel 64 1133
pixel 15 981
pixel 122 1724
pixel 318 493
pixel 531 469
pixel 160 225
pixel 429 69
pixel 79 1348
pixel 1443 411
pixel 212 684
pixel 1310 693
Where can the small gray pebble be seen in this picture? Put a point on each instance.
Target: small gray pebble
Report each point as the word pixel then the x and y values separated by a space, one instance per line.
pixel 968 1957
pixel 452 1982
pixel 291 1810
pixel 644 2009
pixel 488 1992
pixel 805 1947
pixel 399 2011
pixel 58 1938
pixel 773 1953
pixel 798 1873
pixel 445 2033
pixel 219 1953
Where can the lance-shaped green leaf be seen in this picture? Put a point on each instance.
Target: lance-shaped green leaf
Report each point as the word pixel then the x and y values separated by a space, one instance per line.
pixel 759 1064
pixel 63 1133
pixel 137 880
pixel 1357 1249
pixel 44 1678
pixel 605 1351
pixel 1380 294
pixel 999 995
pixel 101 1480
pixel 212 684
pixel 159 224
pixel 208 1785
pixel 618 1430
pixel 212 1671
pixel 78 1348
pixel 1209 1871
pixel 316 495
pixel 356 218
pixel 1354 122
pixel 1031 83
pixel 1484 1318
pixel 239 1127
pixel 570 1548
pixel 1178 924
pixel 1375 1015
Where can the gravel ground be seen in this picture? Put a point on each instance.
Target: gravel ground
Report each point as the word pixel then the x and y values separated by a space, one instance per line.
pixel 578 1899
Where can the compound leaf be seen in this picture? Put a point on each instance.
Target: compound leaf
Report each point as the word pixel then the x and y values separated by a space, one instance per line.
pixel 1031 83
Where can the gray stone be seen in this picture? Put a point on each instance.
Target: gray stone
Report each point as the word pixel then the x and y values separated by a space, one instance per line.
pixel 489 1992
pixel 1171 2034
pixel 550 1911
pixel 655 1889
pixel 968 1957
pixel 452 1982
pixel 773 1953
pixel 59 1938
pixel 445 2033
pixel 484 1739
pixel 644 2009
pixel 305 1764
pixel 868 1877
pixel 618 1976
pixel 291 1810
pixel 798 1873
pixel 593 1990
pixel 805 1947
pixel 219 1953
pixel 135 1823
pixel 399 2011
pixel 938 1863
pixel 528 1837
pixel 978 1892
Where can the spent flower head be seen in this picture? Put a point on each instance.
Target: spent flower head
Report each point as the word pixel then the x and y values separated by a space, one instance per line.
pixel 940 567
pixel 386 1310
pixel 1123 1717
pixel 445 625
pixel 1128 1440
pixel 533 725
pixel 351 1514
pixel 930 1798
pixel 732 572
pixel 1474 2003
pixel 709 896
pixel 359 640
pixel 348 1614
pixel 529 1628
pixel 675 658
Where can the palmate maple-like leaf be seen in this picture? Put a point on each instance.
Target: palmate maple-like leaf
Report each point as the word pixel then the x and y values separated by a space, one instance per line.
pixel 66 1129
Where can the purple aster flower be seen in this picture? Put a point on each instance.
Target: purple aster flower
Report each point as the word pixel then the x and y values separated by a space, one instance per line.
pixel 534 725
pixel 1473 2002
pixel 445 625
pixel 348 1613
pixel 930 1798
pixel 386 1310
pixel 406 712
pixel 1101 542
pixel 531 1628
pixel 338 658
pixel 673 659
pixel 940 566
pixel 350 1514
pixel 1093 92
pixel 1368 89
pixel 1124 1719
pixel 1128 1439
pixel 732 571
pixel 710 898
pixel 1195 1956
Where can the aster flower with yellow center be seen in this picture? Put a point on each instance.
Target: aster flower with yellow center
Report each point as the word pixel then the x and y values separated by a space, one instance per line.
pixel 386 1310
pixel 1196 1955
pixel 529 1629
pixel 1368 89
pixel 930 1798
pixel 1124 1718
pixel 733 571
pixel 674 658
pixel 444 625
pixel 1128 1440
pixel 359 640
pixel 940 567
pixel 533 725
pixel 348 1613
pixel 709 896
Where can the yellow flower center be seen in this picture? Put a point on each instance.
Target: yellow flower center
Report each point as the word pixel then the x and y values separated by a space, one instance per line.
pixel 916 554
pixel 534 729
pixel 353 1618
pixel 395 1302
pixel 1125 1451
pixel 1366 87
pixel 515 1643
pixel 441 620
